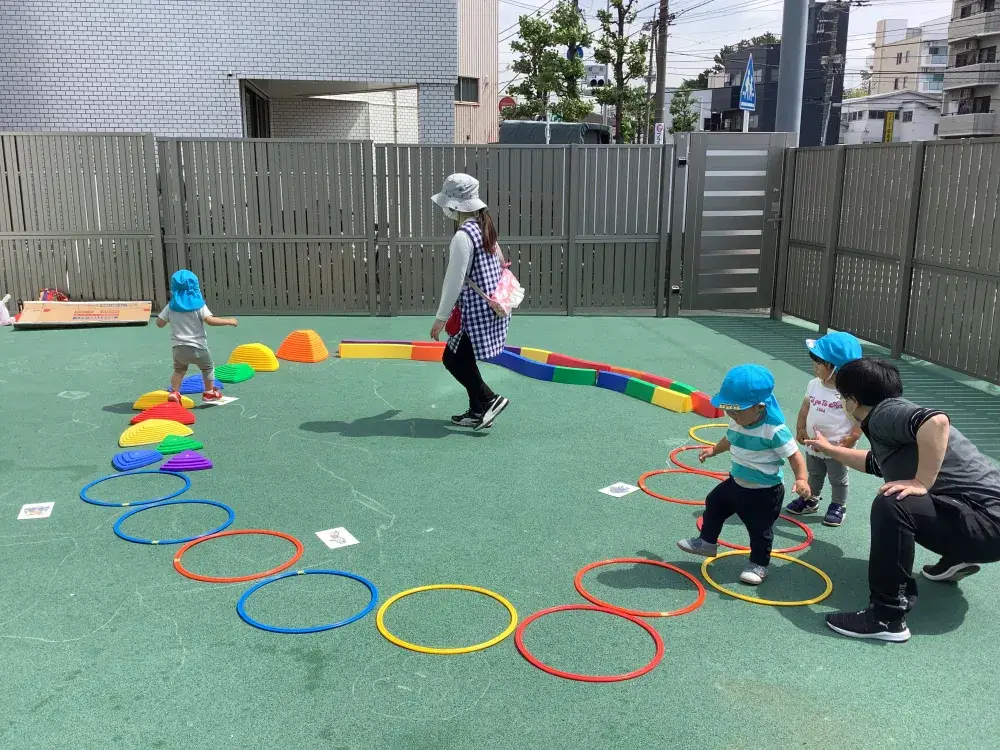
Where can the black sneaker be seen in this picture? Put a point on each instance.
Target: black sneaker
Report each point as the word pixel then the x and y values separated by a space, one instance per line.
pixel 469 419
pixel 949 570
pixel 865 624
pixel 497 405
pixel 800 506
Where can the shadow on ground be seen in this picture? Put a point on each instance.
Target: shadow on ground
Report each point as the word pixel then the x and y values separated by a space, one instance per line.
pixel 385 425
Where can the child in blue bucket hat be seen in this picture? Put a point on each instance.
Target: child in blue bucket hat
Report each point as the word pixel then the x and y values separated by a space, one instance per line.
pixel 188 315
pixel 759 442
pixel 823 412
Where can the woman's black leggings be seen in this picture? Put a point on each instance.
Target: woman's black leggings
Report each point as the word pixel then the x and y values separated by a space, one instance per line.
pixel 462 365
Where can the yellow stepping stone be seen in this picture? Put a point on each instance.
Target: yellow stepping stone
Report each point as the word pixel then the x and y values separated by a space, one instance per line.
pixel 258 356
pixel 152 431
pixel 154 398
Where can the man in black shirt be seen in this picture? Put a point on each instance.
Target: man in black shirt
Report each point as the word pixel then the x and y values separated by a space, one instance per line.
pixel 940 493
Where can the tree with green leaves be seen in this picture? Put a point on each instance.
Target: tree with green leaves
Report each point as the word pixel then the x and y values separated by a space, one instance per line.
pixel 685 118
pixel 570 31
pixel 624 54
pixel 638 115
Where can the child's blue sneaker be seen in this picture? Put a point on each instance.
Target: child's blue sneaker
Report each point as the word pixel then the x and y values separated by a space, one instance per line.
pixel 800 506
pixel 698 546
pixel 834 515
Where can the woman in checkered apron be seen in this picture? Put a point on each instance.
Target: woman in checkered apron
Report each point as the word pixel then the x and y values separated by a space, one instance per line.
pixel 475 257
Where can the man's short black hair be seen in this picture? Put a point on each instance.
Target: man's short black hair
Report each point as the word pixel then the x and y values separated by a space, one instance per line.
pixel 869 381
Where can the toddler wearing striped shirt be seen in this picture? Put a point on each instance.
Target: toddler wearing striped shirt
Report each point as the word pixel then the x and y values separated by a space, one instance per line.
pixel 760 443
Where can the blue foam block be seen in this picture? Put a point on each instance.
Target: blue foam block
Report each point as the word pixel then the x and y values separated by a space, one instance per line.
pixel 527 367
pixel 129 460
pixel 194 384
pixel 612 381
pixel 512 349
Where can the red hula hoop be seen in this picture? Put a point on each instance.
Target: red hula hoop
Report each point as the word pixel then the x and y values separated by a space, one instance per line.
pixel 299 549
pixel 679 501
pixel 798 547
pixel 657 657
pixel 694 469
pixel 699 600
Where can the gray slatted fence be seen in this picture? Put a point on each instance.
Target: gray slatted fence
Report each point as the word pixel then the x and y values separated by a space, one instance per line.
pixel 76 214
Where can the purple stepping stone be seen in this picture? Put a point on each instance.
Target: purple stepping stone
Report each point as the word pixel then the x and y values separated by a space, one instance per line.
pixel 187 461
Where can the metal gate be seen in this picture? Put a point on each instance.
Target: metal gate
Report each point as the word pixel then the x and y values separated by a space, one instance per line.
pixel 731 222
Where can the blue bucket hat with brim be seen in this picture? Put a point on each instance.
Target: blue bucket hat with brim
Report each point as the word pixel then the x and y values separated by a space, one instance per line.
pixel 836 348
pixel 747 386
pixel 185 292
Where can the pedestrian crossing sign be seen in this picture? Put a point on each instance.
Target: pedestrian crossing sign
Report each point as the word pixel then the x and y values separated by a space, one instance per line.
pixel 748 91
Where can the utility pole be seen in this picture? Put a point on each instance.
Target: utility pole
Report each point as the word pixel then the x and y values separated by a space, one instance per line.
pixel 792 69
pixel 571 54
pixel 661 65
pixel 646 132
pixel 833 62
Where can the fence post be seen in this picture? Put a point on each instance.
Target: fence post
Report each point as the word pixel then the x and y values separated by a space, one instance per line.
pixel 678 200
pixel 178 213
pixel 663 248
pixel 392 225
pixel 155 225
pixel 573 182
pixel 371 225
pixel 917 151
pixel 827 279
pixel 784 235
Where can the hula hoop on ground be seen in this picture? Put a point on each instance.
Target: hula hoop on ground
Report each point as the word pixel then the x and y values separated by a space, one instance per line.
pixel 241 604
pixel 138 540
pixel 694 469
pixel 92 501
pixel 787 550
pixel 768 602
pixel 578 582
pixel 693 432
pixel 657 657
pixel 657 472
pixel 299 549
pixel 380 620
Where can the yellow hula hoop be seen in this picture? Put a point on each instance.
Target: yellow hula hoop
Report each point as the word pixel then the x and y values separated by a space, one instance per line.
pixel 380 620
pixel 769 602
pixel 693 432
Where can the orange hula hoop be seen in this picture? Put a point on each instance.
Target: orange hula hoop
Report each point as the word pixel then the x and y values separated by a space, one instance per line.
pixel 679 501
pixel 299 549
pixel 694 469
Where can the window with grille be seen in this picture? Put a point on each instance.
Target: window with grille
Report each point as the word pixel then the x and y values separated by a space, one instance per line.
pixel 467 90
pixel 907 116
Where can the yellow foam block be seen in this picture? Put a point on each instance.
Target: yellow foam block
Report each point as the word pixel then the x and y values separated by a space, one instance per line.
pixel 154 398
pixel 538 355
pixel 152 431
pixel 672 400
pixel 375 351
pixel 258 356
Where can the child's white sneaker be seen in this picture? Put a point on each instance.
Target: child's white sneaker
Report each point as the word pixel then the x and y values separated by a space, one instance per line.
pixel 753 574
pixel 698 546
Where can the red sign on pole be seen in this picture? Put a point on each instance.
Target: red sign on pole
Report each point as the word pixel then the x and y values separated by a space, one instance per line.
pixel 507 101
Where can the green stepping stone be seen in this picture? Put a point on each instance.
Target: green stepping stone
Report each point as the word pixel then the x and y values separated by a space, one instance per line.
pixel 574 376
pixel 640 389
pixel 684 388
pixel 176 444
pixel 233 373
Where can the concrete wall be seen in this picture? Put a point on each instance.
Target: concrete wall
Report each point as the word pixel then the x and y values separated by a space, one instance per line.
pixel 174 67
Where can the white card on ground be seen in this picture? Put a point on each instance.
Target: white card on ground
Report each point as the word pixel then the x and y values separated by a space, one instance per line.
pixel 222 401
pixel 35 510
pixel 619 489
pixel 335 538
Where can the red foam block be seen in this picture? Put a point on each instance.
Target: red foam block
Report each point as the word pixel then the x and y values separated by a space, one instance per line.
pixel 702 406
pixel 563 360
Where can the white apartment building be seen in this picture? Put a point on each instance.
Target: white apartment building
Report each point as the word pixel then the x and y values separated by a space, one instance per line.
pixel 973 76
pixel 917 117
pixel 909 58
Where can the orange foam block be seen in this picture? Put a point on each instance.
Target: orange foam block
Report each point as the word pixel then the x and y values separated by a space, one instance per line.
pixel 427 352
pixel 303 346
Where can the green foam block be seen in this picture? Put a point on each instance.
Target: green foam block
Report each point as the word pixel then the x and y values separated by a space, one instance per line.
pixel 640 389
pixel 233 373
pixel 176 444
pixel 684 388
pixel 574 376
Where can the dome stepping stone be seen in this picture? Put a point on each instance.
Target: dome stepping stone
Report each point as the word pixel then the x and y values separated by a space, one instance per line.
pixel 195 384
pixel 235 373
pixel 154 398
pixel 167 410
pixel 131 460
pixel 152 431
pixel 173 444
pixel 258 356
pixel 303 346
pixel 187 461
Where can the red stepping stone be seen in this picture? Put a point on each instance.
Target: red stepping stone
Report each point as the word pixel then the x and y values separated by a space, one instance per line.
pixel 167 410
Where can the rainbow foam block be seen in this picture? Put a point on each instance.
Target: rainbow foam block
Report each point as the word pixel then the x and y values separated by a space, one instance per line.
pixel 701 404
pixel 538 355
pixel 375 351
pixel 574 375
pixel 523 366
pixel 640 389
pixel 684 388
pixel 562 360
pixel 612 381
pixel 672 400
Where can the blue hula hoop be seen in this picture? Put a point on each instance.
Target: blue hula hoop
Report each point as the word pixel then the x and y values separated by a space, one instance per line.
pixel 137 540
pixel 241 604
pixel 92 501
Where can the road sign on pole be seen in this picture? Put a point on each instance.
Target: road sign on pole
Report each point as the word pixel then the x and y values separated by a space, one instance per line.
pixel 658 133
pixel 748 94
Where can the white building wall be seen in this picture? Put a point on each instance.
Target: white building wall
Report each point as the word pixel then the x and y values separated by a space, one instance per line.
pixel 865 130
pixel 320 118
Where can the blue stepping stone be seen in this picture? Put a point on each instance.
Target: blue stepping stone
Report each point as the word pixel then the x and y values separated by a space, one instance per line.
pixel 129 460
pixel 194 384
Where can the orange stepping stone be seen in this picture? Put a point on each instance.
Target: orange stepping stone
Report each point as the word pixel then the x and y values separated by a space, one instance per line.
pixel 303 346
pixel 168 410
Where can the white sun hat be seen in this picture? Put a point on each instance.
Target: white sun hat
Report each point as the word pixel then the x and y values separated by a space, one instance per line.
pixel 460 192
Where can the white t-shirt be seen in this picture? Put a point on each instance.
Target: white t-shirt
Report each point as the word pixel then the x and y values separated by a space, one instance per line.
pixel 459 257
pixel 826 414
pixel 187 328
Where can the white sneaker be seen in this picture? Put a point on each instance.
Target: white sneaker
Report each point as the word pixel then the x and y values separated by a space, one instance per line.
pixel 753 574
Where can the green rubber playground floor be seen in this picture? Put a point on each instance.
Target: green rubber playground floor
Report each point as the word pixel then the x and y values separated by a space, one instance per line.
pixel 106 646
